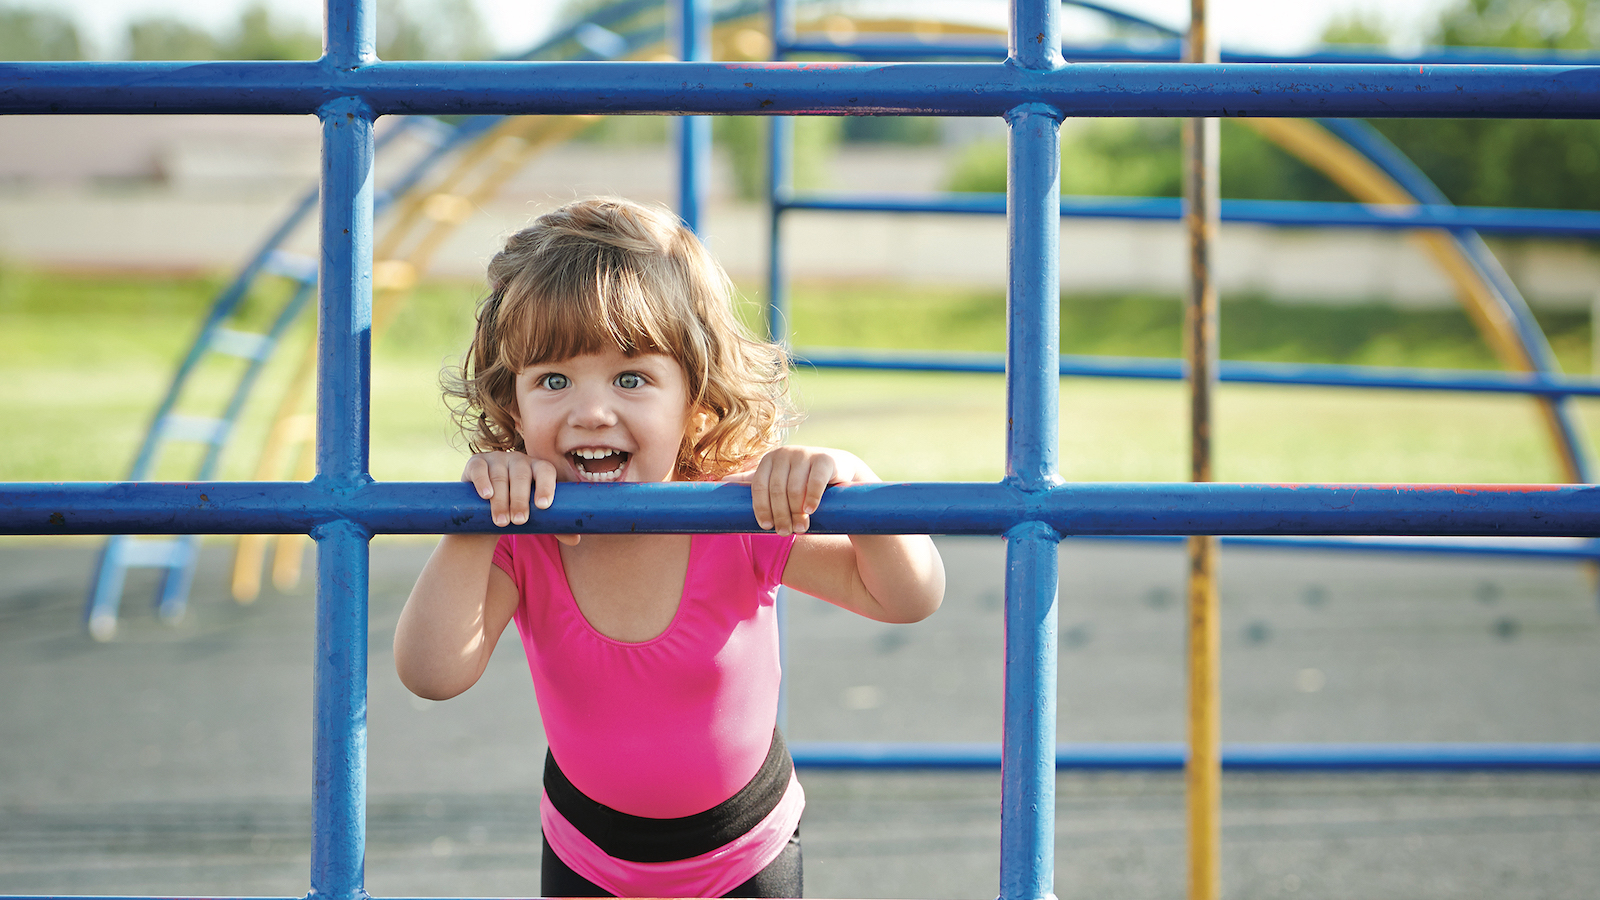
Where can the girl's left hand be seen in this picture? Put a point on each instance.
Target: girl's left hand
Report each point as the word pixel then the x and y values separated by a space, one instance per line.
pixel 786 486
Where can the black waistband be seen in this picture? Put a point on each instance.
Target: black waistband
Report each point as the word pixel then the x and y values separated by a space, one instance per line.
pixel 641 839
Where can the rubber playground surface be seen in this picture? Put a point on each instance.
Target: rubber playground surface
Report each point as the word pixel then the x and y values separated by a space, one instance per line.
pixel 176 759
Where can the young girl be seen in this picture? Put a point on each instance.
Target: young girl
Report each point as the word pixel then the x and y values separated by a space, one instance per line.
pixel 607 351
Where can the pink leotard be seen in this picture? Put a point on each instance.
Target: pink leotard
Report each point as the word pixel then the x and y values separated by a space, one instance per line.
pixel 668 727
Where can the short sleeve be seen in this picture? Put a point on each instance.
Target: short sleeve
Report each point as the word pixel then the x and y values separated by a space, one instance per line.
pixel 503 556
pixel 769 554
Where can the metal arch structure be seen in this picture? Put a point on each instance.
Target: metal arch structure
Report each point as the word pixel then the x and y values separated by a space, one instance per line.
pixel 1374 172
pixel 1392 193
pixel 342 507
pixel 1395 195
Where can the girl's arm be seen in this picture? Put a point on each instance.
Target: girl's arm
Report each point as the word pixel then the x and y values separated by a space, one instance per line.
pixel 462 600
pixel 887 577
pixel 453 618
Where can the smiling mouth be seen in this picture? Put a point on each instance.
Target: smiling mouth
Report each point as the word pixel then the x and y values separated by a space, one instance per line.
pixel 599 465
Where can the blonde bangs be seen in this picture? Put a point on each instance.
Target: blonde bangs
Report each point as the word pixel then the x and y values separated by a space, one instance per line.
pixel 602 274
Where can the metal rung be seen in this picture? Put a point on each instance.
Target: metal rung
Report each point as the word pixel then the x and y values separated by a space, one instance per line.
pixel 156 554
pixel 292 265
pixel 243 344
pixel 200 429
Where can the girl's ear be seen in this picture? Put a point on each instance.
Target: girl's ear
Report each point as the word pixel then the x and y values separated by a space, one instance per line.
pixel 699 424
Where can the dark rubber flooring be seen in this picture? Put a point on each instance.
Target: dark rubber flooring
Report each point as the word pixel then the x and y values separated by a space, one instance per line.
pixel 176 759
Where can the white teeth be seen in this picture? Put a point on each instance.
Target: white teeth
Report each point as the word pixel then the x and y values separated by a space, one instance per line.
pixel 588 453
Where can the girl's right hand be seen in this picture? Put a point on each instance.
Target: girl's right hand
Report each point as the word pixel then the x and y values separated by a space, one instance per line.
pixel 507 479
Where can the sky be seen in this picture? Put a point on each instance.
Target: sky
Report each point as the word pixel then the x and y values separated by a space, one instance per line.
pixel 1269 25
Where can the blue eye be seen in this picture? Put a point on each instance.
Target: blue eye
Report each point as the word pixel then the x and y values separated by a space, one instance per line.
pixel 630 380
pixel 555 381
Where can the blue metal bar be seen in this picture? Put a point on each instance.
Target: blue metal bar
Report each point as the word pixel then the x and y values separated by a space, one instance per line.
pixel 740 88
pixel 891 46
pixel 1033 195
pixel 1290 213
pixel 1027 770
pixel 350 33
pixel 780 185
pixel 1234 371
pixel 1033 321
pixel 339 718
pixel 694 132
pixel 344 335
pixel 344 345
pixel 1525 548
pixel 780 182
pixel 1080 508
pixel 1235 757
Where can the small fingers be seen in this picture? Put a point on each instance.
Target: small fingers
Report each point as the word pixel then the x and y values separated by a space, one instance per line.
pixel 544 484
pixel 519 483
pixel 504 479
pixel 477 474
pixel 760 499
pixel 500 492
pixel 821 475
pixel 776 486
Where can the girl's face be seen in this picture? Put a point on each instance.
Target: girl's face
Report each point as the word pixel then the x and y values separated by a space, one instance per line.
pixel 605 416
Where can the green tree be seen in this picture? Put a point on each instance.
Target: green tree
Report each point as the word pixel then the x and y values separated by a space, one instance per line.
pixel 1542 24
pixel 1550 163
pixel 164 37
pixel 1356 27
pixel 29 34
pixel 432 29
pixel 260 35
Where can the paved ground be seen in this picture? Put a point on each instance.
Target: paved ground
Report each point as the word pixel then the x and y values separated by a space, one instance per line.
pixel 175 761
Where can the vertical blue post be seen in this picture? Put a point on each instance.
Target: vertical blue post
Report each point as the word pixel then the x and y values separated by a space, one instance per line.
pixel 339 724
pixel 344 333
pixel 1033 199
pixel 694 132
pixel 780 182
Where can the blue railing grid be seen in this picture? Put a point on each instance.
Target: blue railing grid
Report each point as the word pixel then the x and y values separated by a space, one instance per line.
pixel 341 508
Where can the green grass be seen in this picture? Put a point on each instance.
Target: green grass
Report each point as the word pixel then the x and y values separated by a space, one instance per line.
pixel 84 360
pixel 888 316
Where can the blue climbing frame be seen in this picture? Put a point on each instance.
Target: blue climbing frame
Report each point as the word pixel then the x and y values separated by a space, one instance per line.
pixel 342 507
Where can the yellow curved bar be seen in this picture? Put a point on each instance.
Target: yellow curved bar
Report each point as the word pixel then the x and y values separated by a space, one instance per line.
pixel 1367 183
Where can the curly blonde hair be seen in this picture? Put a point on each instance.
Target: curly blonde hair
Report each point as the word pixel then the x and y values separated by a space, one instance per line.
pixel 611 273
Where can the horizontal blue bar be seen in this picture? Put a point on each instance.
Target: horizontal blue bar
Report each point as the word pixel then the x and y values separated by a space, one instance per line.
pixel 1085 508
pixel 780 88
pixel 1234 371
pixel 1287 213
pixel 1530 548
pixel 889 46
pixel 1235 757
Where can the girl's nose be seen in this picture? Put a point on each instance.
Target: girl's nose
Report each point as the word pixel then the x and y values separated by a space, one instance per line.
pixel 591 409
